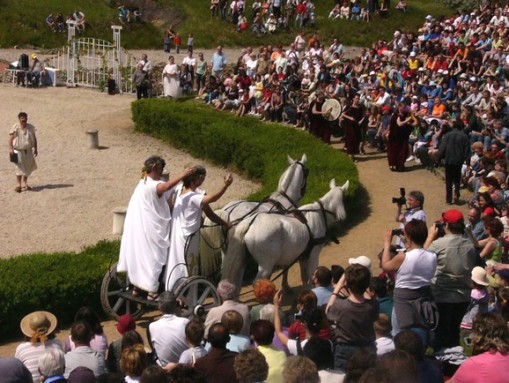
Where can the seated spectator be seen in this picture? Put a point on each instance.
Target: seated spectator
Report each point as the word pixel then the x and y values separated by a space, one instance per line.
pixel 82 375
pixel 401 6
pixel 217 365
pixel 125 323
pixel 383 329
pixel 361 360
pixel 82 355
pixel 154 374
pixel 12 370
pixel 99 342
pixel 400 366
pixel 335 12
pixel 183 373
pixel 345 11
pixel 300 369
pixel 195 332
pixel 123 14
pixel 38 328
pixel 234 323
pixel 36 71
pixel 263 290
pixel 228 293
pixel 60 22
pixel 428 369
pixel 490 342
pixel 137 15
pixel 52 365
pixel 262 332
pixel 50 21
pixel 133 362
pixel 167 334
pixel 79 17
pixel 251 367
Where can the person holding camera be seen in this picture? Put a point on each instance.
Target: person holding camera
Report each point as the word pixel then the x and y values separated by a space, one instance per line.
pixel 451 284
pixel 414 269
pixel 414 209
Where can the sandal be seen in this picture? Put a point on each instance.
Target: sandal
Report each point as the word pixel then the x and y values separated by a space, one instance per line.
pixel 25 188
pixel 18 189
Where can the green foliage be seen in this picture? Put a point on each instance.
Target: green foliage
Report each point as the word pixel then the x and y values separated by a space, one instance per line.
pixel 257 149
pixel 60 283
pixel 24 23
pixel 462 5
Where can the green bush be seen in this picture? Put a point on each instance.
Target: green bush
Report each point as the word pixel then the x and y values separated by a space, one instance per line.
pixel 254 148
pixel 60 283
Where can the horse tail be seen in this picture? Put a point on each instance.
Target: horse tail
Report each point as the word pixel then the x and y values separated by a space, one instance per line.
pixel 212 241
pixel 234 261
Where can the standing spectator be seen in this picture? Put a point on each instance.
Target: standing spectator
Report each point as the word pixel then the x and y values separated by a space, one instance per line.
pixel 167 334
pixel 190 43
pixel 23 145
pixel 200 72
pixel 218 62
pixel 217 365
pixel 454 150
pixel 167 41
pixel 177 40
pixel 190 63
pixel 38 327
pixel 228 293
pixel 451 283
pixel 141 81
pixel 414 210
pixel 397 144
pixel 351 118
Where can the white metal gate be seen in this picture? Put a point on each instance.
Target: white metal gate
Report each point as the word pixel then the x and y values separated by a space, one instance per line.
pixel 91 62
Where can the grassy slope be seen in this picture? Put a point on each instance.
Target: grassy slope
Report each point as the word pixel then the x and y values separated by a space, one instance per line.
pixel 23 24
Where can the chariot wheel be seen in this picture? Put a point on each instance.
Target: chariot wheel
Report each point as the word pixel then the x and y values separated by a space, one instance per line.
pixel 116 295
pixel 198 295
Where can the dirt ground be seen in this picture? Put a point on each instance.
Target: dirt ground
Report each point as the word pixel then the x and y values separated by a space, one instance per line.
pixel 76 189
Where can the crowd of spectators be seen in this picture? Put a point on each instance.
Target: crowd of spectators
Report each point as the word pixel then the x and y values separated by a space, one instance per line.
pixel 58 23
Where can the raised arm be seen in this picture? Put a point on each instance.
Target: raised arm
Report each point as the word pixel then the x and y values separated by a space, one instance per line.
pixel 165 186
pixel 228 179
pixel 283 338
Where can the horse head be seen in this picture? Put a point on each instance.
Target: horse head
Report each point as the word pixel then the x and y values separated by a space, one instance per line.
pixel 293 181
pixel 333 200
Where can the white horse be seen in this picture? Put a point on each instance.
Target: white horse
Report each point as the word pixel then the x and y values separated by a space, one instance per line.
pixel 291 189
pixel 283 239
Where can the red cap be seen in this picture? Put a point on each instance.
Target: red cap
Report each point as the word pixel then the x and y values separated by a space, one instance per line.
pixel 453 216
pixel 125 323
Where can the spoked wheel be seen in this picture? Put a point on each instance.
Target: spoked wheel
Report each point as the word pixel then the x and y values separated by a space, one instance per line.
pixel 116 295
pixel 197 292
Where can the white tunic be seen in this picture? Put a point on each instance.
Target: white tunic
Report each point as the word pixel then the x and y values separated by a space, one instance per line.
pixel 183 255
pixel 146 237
pixel 171 82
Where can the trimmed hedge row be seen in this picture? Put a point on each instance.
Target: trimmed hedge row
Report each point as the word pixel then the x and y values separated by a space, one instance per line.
pixel 254 148
pixel 60 283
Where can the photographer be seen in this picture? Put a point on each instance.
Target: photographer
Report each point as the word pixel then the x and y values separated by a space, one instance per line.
pixel 451 284
pixel 414 209
pixel 414 269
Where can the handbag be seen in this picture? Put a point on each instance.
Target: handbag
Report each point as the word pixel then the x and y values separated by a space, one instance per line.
pixel 13 157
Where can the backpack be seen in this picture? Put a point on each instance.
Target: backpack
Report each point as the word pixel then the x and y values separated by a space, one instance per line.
pixel 428 312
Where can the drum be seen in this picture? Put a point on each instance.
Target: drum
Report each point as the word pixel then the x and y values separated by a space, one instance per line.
pixel 332 109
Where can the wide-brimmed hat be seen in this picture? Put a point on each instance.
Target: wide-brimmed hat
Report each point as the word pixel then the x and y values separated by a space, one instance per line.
pixel 38 323
pixel 479 276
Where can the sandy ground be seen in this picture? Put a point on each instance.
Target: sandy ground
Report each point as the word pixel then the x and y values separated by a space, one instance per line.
pixel 76 189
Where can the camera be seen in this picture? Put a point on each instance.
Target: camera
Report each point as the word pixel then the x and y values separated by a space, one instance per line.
pixel 440 228
pixel 396 232
pixel 298 316
pixel 401 200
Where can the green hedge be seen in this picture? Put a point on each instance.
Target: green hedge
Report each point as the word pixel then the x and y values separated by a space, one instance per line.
pixel 60 283
pixel 252 147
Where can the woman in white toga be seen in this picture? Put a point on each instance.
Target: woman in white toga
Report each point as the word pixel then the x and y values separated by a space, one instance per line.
pixel 171 79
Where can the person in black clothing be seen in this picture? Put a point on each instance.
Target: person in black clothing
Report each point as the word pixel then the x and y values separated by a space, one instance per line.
pixel 454 150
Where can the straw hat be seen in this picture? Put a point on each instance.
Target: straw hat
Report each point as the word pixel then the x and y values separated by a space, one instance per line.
pixel 40 323
pixel 479 276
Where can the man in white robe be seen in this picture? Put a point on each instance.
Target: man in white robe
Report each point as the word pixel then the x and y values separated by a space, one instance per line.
pixel 146 237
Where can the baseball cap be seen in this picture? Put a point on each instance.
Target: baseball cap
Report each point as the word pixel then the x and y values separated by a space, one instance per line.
pixel 452 216
pixel 413 54
pixel 362 260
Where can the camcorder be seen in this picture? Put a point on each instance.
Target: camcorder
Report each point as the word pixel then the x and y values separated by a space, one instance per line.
pixel 397 231
pixel 401 200
pixel 440 228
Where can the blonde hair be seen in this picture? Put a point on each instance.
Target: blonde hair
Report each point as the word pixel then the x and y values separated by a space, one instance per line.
pixel 133 360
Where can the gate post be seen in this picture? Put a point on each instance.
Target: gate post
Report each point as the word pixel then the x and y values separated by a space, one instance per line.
pixel 118 56
pixel 71 52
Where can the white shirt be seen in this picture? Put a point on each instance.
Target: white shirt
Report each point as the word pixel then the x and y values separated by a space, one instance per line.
pixel 417 269
pixel 384 345
pixel 168 338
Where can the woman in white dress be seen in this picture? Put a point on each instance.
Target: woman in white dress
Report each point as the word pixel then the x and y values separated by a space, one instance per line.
pixel 190 200
pixel 171 81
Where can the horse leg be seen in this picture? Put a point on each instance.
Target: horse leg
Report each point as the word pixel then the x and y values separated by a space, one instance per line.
pixel 284 284
pixel 308 267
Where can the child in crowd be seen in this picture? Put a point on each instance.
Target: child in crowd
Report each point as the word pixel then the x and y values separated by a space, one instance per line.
pixel 177 40
pixel 195 330
pixel 479 298
pixel 352 318
pixel 383 328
